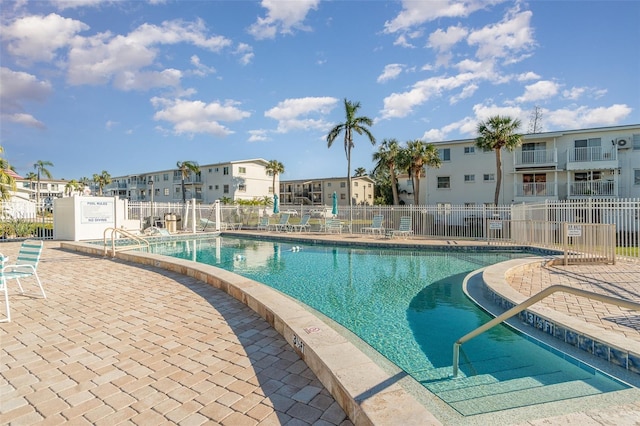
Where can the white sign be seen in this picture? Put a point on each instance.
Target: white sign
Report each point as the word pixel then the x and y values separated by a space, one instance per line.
pixel 495 224
pixel 97 211
pixel 574 231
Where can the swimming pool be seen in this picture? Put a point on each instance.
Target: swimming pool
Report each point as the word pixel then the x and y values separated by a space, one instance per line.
pixel 409 306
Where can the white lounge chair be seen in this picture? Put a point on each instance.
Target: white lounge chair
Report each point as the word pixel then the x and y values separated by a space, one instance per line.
pixel 283 225
pixel 404 229
pixel 263 225
pixel 376 226
pixel 303 225
pixel 26 266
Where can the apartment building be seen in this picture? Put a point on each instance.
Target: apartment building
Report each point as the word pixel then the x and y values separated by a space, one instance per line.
pixel 563 165
pixel 320 191
pixel 27 190
pixel 235 180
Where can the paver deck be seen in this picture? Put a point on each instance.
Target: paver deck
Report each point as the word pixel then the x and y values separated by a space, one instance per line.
pixel 120 343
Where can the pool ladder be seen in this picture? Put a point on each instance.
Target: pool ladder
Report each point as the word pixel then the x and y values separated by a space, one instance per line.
pixel 140 242
pixel 530 301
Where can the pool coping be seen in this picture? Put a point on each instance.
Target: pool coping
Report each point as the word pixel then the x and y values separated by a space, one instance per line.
pixel 368 394
pixel 613 348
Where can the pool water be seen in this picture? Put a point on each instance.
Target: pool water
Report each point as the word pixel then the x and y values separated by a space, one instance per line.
pixel 410 307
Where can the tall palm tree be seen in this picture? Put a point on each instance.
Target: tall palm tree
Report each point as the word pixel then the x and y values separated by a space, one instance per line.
pixel 352 124
pixel 416 156
pixel 496 133
pixel 71 187
pixel 31 177
pixel 359 172
pixel 186 167
pixel 387 159
pixel 274 168
pixel 41 167
pixel 103 179
pixel 83 182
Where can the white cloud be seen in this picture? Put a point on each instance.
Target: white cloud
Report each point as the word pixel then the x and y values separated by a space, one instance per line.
pixel 444 40
pixel 201 69
pixel 584 117
pixel 282 17
pixel 505 38
pixel 16 88
pixel 291 113
pixel 390 72
pixel 103 58
pixel 72 4
pixel 193 117
pixel 530 75
pixel 540 90
pixel 38 38
pixel 110 124
pixel 576 93
pixel 415 13
pixel 467 92
pixel 399 105
pixel 245 52
pixel 258 135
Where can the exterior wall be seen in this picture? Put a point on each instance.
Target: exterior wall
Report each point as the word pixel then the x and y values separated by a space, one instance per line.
pixel 575 164
pixel 320 191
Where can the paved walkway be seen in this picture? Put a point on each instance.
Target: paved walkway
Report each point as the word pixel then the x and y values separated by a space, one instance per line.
pixel 621 280
pixel 116 343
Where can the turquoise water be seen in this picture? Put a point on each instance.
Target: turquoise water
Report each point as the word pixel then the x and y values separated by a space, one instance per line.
pixel 409 306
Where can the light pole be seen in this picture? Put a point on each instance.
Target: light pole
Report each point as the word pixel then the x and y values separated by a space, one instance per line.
pixel 152 218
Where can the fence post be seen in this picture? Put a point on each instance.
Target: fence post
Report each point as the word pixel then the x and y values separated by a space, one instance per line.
pixel 565 241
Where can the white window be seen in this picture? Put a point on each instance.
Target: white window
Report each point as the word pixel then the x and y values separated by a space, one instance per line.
pixel 469 149
pixel 469 178
pixel 636 177
pixel 242 170
pixel 636 142
pixel 444 154
pixel 355 183
pixel 165 176
pixel 210 187
pixel 488 177
pixel 343 184
pixel 225 170
pixel 217 187
pixel 166 192
pixel 242 187
pixel 444 182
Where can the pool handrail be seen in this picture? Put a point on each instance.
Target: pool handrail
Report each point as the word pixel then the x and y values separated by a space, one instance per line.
pixel 530 301
pixel 141 242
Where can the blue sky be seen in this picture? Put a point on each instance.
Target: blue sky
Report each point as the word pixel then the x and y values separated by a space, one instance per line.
pixel 135 86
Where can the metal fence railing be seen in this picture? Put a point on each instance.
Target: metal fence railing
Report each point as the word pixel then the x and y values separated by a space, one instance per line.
pixel 532 223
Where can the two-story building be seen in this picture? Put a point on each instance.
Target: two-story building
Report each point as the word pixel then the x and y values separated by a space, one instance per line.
pixel 563 165
pixel 320 191
pixel 235 180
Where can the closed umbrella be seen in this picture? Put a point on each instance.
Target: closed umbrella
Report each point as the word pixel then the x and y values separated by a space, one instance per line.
pixel 334 209
pixel 276 207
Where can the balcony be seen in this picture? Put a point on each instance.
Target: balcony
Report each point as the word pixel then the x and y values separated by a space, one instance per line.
pixel 595 188
pixel 594 157
pixel 535 158
pixel 536 189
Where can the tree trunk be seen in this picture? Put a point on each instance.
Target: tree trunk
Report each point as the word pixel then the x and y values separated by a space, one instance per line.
pixel 498 176
pixel 184 194
pixel 394 187
pixel 416 188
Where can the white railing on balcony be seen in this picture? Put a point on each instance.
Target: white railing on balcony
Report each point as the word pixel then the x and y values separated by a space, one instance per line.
pixel 593 153
pixel 536 157
pixel 536 189
pixel 592 188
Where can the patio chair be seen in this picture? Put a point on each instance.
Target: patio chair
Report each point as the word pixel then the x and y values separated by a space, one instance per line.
pixel 3 288
pixel 376 226
pixel 333 226
pixel 263 225
pixel 283 225
pixel 26 265
pixel 404 229
pixel 303 225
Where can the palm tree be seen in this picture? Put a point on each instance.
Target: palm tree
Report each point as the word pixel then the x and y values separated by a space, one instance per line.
pixel 359 172
pixel 186 167
pixel 274 168
pixel 497 133
pixel 6 180
pixel 351 124
pixel 83 182
pixel 415 157
pixel 103 179
pixel 31 177
pixel 71 187
pixel 41 167
pixel 387 159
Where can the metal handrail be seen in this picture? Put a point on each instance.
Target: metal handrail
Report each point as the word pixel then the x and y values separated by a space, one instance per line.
pixel 114 231
pixel 530 301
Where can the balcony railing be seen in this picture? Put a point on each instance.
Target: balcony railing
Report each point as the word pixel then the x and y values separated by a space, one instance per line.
pixel 536 157
pixel 536 189
pixel 592 188
pixel 593 153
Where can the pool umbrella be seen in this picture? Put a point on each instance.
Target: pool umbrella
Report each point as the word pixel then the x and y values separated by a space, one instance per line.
pixel 276 207
pixel 334 210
